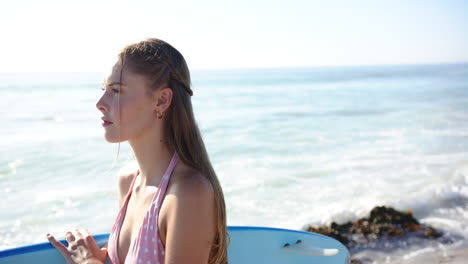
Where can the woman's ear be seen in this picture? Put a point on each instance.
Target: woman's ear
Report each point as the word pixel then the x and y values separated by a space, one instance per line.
pixel 163 99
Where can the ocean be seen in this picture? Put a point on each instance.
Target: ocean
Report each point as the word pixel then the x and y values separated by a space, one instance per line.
pixel 291 147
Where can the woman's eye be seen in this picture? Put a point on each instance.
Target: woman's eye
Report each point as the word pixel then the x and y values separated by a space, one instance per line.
pixel 115 90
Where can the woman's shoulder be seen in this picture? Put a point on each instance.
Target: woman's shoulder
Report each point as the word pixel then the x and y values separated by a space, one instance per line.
pixel 189 182
pixel 190 197
pixel 187 216
pixel 188 191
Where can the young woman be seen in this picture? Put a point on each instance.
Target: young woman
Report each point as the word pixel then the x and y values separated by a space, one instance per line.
pixel 171 205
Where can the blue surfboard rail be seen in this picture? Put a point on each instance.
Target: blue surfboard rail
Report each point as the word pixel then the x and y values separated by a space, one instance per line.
pixel 248 244
pixel 43 246
pixel 259 228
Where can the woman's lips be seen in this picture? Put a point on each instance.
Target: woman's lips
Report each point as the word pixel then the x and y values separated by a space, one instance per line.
pixel 106 122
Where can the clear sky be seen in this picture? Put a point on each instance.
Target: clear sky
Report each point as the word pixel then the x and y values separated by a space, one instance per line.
pixel 62 35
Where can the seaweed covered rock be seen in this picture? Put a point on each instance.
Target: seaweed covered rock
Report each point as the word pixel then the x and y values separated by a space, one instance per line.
pixel 383 222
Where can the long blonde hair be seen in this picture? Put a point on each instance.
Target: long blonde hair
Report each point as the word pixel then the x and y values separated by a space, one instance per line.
pixel 163 64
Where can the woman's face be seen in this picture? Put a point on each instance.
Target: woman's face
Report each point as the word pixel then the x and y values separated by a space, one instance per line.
pixel 137 106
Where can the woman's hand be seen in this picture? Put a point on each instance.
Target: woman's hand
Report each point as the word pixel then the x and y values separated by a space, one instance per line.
pixel 82 248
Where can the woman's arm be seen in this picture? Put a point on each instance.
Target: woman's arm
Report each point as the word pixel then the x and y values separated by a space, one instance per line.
pixel 190 221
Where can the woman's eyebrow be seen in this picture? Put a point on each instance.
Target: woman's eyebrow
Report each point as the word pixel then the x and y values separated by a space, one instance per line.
pixel 112 83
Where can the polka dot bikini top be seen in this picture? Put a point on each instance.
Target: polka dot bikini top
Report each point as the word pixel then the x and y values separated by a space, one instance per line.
pixel 147 247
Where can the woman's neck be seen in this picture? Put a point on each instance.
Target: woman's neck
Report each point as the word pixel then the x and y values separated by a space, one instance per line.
pixel 153 157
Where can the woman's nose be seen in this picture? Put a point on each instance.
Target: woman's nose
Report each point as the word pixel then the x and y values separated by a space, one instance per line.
pixel 101 106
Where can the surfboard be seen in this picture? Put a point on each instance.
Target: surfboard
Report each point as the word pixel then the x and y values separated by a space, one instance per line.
pixel 248 244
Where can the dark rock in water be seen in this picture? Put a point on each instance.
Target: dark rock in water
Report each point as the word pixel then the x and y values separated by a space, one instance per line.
pixel 383 222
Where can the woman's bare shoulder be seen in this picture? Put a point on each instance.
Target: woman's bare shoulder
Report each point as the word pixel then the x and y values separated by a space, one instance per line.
pixel 191 193
pixel 190 182
pixel 187 186
pixel 124 179
pixel 188 224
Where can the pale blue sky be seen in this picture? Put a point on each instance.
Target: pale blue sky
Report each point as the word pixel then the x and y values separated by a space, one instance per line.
pixel 60 35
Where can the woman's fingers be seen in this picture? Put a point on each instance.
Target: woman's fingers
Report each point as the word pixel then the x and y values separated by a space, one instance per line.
pixel 79 239
pixel 59 246
pixel 89 240
pixel 85 232
pixel 69 237
pixel 77 233
pixel 82 247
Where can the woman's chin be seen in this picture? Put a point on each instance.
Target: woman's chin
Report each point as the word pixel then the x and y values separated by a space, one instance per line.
pixel 111 139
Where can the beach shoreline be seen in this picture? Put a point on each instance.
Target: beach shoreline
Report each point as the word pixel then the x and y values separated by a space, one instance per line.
pixel 458 255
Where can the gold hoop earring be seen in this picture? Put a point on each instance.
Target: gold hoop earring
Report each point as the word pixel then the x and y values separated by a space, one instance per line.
pixel 160 115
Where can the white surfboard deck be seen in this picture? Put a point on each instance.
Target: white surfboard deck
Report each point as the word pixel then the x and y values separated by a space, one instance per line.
pixel 248 244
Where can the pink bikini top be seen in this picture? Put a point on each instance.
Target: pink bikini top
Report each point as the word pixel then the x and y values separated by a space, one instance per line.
pixel 147 247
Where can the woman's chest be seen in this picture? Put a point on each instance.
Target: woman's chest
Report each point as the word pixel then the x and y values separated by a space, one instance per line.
pixel 138 209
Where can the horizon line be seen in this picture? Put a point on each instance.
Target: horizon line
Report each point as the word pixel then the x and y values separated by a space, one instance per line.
pixel 275 67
